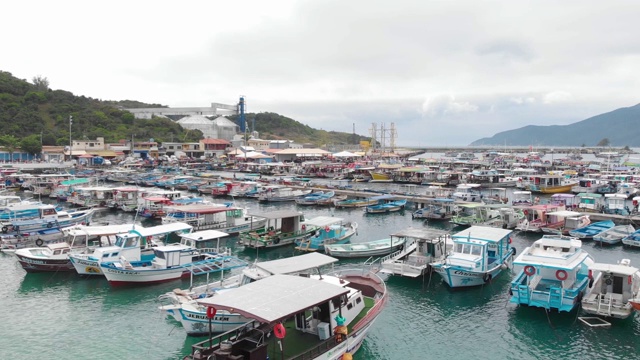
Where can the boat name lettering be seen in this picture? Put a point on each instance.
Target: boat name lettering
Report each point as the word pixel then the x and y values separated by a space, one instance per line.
pixel 204 317
pixel 464 273
pixel 33 261
pixel 85 262
pixel 114 271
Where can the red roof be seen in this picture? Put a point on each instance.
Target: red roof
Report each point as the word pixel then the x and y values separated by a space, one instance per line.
pixel 215 141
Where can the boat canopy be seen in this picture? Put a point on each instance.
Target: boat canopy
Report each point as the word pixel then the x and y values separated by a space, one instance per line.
pixel 614 268
pixel 98 230
pixel 483 233
pixel 275 298
pixel 161 229
pixel 322 221
pixel 201 208
pixel 204 235
pixel 420 233
pixel 564 213
pixel 277 214
pixel 296 263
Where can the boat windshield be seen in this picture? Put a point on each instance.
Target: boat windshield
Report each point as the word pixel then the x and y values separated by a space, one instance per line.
pixel 468 249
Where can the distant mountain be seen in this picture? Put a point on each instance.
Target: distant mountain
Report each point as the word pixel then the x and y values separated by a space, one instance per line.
pixel 621 127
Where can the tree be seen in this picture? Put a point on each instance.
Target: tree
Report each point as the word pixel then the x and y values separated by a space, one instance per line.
pixel 604 142
pixel 31 144
pixel 10 143
pixel 41 83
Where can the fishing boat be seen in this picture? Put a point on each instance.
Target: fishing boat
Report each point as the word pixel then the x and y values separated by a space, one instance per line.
pixel 281 228
pixel 221 217
pixel 551 184
pixel 479 255
pixel 183 307
pixel 614 235
pixel 438 209
pixel 330 230
pixel 281 194
pixel 134 244
pixel 474 213
pixel 194 255
pixel 590 202
pixel 48 217
pixel 386 205
pixel 55 257
pixel 612 289
pixel 378 176
pixel 316 198
pixel 468 192
pixel 591 230
pixel 366 249
pixel 563 221
pixel 522 197
pixel 324 317
pixel 535 217
pixel 616 204
pixel 507 217
pixel 632 239
pixel 350 203
pixel 553 274
pixel 423 246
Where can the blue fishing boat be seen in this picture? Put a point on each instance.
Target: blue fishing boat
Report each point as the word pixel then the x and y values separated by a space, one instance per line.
pixel 315 198
pixel 479 255
pixel 554 274
pixel 589 231
pixel 330 230
pixel 632 239
pixel 614 235
pixel 386 205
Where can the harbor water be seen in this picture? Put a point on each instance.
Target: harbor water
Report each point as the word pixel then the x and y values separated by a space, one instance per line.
pixel 65 316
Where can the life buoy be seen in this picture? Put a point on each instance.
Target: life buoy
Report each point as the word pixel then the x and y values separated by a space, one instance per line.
pixel 561 275
pixel 276 240
pixel 304 227
pixel 526 212
pixel 513 250
pixel 50 225
pixel 327 229
pixel 486 278
pixel 529 270
pixel 5 229
pixel 39 242
pixel 510 240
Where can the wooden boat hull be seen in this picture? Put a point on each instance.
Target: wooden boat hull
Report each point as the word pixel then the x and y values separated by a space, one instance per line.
pixel 33 265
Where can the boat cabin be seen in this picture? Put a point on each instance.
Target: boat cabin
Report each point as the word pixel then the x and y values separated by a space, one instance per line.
pixel 192 247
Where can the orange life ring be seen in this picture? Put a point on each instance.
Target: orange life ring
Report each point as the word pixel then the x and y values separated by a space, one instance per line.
pixel 561 275
pixel 529 270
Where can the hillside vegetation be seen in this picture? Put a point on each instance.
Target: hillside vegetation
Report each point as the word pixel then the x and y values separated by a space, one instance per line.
pixel 620 128
pixel 34 110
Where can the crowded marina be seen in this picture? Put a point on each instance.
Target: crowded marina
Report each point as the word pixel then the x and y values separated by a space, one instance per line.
pixel 187 230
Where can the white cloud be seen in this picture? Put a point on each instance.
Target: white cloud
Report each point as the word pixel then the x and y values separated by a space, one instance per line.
pixel 491 66
pixel 555 97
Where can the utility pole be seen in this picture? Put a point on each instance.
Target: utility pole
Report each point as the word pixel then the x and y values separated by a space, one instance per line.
pixel 70 143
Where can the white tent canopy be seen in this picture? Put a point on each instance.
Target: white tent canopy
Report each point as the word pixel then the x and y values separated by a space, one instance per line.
pixel 345 154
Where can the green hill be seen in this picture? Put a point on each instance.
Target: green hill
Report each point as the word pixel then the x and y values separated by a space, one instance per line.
pixel 34 110
pixel 621 127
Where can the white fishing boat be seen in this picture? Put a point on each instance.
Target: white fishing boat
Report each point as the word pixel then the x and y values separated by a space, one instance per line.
pixel 194 255
pixel 182 305
pixel 479 255
pixel 366 249
pixel 553 274
pixel 423 246
pixel 221 217
pixel 48 217
pixel 282 228
pixel 612 288
pixel 438 209
pixel 468 192
pixel 614 235
pixel 563 221
pixel 134 244
pixel 315 318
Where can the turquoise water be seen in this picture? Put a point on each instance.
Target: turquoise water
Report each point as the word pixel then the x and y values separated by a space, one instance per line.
pixel 63 316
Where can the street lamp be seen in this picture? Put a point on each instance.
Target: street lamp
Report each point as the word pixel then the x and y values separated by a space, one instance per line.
pixel 70 143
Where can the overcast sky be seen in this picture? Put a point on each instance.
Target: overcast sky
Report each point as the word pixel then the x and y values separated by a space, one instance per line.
pixel 445 72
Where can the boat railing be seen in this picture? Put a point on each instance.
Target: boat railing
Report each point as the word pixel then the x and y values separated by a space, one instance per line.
pixel 204 349
pixel 371 265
